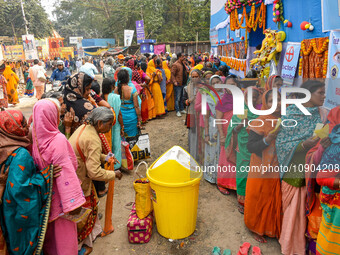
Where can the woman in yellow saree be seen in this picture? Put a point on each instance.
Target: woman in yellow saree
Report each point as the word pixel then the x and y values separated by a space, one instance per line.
pixel 170 95
pixel 12 85
pixel 156 78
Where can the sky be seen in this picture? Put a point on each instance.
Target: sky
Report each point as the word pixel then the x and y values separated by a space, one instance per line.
pixel 49 6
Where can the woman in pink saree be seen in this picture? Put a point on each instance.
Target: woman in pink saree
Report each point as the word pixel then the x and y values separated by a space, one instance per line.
pixel 51 147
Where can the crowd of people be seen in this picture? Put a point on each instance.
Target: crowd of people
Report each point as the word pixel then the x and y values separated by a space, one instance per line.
pixel 286 178
pixel 75 134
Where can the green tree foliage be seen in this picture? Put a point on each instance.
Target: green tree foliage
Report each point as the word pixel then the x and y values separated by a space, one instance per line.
pixel 165 20
pixel 12 21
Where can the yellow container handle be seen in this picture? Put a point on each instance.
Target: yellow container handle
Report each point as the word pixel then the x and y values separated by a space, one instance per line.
pixel 141 163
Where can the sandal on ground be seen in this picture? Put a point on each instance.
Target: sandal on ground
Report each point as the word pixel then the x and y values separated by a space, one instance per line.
pixel 227 252
pixel 216 251
pixel 244 248
pixel 259 238
pixel 85 250
pixel 224 191
pixel 103 193
pixel 256 251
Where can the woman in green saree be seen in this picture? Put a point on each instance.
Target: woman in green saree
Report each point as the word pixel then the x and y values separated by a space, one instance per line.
pixel 25 192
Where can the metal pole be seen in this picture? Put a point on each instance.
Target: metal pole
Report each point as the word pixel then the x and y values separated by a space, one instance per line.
pixel 196 41
pixel 23 14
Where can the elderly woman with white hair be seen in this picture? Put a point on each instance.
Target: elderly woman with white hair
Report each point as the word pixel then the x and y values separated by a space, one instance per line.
pixel 87 146
pixel 108 71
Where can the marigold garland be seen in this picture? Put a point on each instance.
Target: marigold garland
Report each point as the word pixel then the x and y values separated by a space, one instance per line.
pixel 325 64
pixel 251 21
pixel 313 47
pixel 236 64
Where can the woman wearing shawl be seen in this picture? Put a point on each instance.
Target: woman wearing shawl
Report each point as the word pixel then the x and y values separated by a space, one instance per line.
pixel 12 85
pixel 156 79
pixel 76 93
pixel 51 147
pixel 29 90
pixel 262 207
pixel 3 92
pixel 170 95
pixel 212 148
pixel 292 144
pixel 147 100
pixel 24 191
pixel 313 206
pixel 225 179
pixel 189 98
pixel 129 104
pixel 329 180
pixel 132 64
pixel 236 146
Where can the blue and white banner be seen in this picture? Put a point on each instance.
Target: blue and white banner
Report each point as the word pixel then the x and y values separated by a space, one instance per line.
pixel 290 63
pixel 333 77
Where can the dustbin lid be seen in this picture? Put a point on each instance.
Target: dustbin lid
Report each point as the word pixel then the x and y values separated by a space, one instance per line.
pixel 181 156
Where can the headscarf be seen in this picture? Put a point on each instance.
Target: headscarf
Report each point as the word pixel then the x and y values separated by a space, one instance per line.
pixel 130 83
pixel 199 67
pixel 207 72
pixel 173 60
pixel 135 74
pixel 73 96
pixel 270 82
pixel 10 76
pixel 289 138
pixel 151 67
pixel 12 133
pixel 51 147
pixel 214 77
pixel 166 70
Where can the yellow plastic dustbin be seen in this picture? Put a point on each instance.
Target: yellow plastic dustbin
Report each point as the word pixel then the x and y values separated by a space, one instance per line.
pixel 174 180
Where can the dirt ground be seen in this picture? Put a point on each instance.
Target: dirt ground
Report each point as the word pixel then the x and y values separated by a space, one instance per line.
pixel 218 222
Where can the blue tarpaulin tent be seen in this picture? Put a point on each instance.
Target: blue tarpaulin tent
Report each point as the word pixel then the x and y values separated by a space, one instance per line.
pixel 98 43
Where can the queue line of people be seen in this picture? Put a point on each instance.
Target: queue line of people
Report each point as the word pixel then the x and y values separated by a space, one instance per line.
pixel 299 208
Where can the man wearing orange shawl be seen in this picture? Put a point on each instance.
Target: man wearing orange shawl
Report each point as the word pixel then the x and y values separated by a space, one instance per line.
pixel 262 212
pixel 12 85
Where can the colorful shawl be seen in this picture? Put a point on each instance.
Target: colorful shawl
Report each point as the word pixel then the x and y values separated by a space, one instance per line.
pixel 289 138
pixel 313 158
pixel 12 133
pixel 329 234
pixel 135 74
pixel 51 147
pixel 73 97
pixel 26 204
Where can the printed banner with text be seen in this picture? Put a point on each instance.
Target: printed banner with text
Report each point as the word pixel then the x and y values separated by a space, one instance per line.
pixel 290 63
pixel 140 30
pixel 333 81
